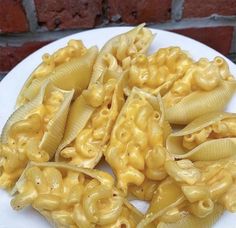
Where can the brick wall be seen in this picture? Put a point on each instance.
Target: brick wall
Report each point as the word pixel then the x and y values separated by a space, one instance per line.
pixel 26 25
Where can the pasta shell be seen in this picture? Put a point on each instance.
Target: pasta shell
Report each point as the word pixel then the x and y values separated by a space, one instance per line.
pixel 86 139
pixel 74 74
pixel 137 139
pixel 79 114
pixel 201 102
pixel 167 196
pixel 170 198
pixel 204 138
pixel 33 132
pixel 120 49
pixel 157 73
pixel 82 193
pixel 74 49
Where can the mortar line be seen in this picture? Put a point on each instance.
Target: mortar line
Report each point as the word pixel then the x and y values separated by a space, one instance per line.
pixel 212 21
pixel 177 7
pixel 30 10
pixel 233 44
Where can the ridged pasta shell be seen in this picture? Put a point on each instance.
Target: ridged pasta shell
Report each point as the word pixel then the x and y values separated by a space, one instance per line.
pixel 79 114
pixel 21 112
pixel 116 105
pixel 194 222
pixel 79 117
pixel 134 134
pixel 74 74
pixel 106 183
pixel 56 125
pixel 155 101
pixel 201 102
pixel 157 72
pixel 208 150
pixel 49 136
pixel 137 34
pixel 167 196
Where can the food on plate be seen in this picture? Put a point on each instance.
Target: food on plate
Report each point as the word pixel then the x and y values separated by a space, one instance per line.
pixel 93 113
pixel 207 137
pixel 194 199
pixel 118 52
pixel 157 72
pixel 33 132
pixel 68 68
pixel 207 86
pixel 170 208
pixel 74 197
pixel 86 148
pixel 121 103
pixel 136 148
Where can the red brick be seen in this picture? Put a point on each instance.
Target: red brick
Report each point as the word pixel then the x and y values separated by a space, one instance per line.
pixel 138 11
pixel 10 55
pixel 69 14
pixel 12 16
pixel 219 38
pixel 205 8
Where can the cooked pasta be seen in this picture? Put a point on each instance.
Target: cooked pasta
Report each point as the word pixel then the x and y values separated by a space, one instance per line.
pixel 62 68
pixel 144 191
pixel 87 148
pixel 137 141
pixel 118 52
pixel 198 197
pixel 29 135
pixel 209 134
pixel 204 88
pixel 74 197
pixel 79 105
pixel 157 72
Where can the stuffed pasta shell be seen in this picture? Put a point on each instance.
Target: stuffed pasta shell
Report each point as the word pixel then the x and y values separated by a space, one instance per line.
pixel 117 53
pixel 157 72
pixel 136 148
pixel 194 202
pixel 68 68
pixel 207 137
pixel 169 208
pixel 33 132
pixel 205 87
pixel 84 146
pixel 73 197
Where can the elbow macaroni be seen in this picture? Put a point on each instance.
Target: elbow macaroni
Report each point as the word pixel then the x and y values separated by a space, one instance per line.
pixel 74 196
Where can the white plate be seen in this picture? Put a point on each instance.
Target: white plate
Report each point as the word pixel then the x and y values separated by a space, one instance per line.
pixel 12 83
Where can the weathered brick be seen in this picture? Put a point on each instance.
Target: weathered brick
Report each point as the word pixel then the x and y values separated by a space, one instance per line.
pixel 138 11
pixel 203 8
pixel 69 14
pixel 12 16
pixel 219 38
pixel 11 55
